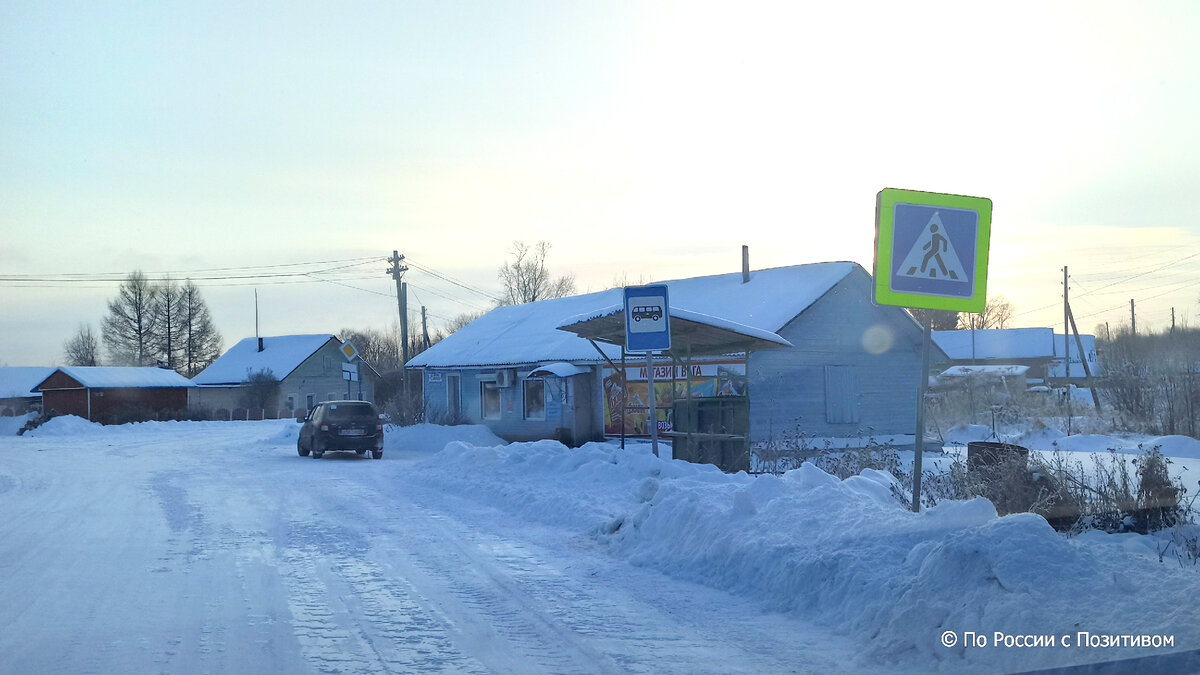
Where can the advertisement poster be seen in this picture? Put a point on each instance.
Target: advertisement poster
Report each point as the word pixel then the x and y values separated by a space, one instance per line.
pixel 709 380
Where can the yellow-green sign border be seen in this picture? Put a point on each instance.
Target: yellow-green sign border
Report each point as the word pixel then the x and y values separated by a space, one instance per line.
pixel 885 203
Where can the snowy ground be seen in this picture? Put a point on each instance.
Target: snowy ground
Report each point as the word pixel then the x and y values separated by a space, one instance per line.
pixel 213 547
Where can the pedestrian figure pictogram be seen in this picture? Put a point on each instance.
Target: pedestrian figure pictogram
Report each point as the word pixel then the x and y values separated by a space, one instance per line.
pixel 933 256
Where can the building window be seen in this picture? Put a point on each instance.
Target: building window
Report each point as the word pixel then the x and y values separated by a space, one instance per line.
pixel 489 400
pixel 291 402
pixel 535 399
pixel 309 401
pixel 453 398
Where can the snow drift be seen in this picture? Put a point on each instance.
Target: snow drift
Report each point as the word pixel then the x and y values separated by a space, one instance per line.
pixel 845 553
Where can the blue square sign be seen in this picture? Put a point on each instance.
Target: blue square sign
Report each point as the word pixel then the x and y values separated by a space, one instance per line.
pixel 931 250
pixel 939 250
pixel 647 319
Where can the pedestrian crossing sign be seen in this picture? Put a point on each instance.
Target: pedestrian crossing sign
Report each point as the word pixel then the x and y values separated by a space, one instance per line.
pixel 931 250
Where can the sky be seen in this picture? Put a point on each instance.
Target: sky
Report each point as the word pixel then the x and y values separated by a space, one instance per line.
pixel 288 148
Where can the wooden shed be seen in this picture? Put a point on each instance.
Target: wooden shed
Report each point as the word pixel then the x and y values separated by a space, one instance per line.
pixel 114 394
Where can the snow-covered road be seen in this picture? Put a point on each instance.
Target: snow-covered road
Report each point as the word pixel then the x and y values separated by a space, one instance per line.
pixel 189 548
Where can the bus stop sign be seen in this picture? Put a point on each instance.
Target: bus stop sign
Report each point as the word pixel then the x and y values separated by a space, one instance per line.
pixel 931 250
pixel 647 319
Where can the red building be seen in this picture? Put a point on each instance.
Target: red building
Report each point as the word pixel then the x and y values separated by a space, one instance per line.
pixel 114 394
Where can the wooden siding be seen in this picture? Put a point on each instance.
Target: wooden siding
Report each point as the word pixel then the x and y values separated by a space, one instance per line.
pixel 59 380
pixel 66 402
pixel 791 390
pixel 113 405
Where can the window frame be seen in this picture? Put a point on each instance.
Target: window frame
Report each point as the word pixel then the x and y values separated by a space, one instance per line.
pixel 539 416
pixel 484 388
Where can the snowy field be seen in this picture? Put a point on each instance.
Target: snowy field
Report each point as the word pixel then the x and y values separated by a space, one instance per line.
pixel 188 547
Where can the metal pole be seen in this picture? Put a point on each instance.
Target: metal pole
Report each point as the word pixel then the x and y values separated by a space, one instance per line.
pixel 922 387
pixel 624 395
pixel 652 420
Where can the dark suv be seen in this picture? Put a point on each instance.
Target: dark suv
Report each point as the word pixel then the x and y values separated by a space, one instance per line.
pixel 341 425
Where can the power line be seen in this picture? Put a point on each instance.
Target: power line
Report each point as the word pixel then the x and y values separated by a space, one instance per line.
pixel 1151 271
pixel 208 274
pixel 444 277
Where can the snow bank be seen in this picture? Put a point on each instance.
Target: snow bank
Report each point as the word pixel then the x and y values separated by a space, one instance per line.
pixel 9 426
pixel 64 425
pixel 1175 446
pixel 961 434
pixel 433 437
pixel 1039 438
pixel 844 553
pixel 1089 443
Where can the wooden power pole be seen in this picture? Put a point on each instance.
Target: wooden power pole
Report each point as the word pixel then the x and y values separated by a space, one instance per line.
pixel 397 271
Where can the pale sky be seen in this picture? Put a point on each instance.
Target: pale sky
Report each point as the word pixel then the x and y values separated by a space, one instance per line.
pixel 234 142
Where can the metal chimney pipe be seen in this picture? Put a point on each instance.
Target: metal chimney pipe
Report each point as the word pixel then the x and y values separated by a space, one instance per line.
pixel 260 344
pixel 745 264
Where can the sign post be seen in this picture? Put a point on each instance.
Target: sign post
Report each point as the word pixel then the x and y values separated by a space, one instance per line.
pixel 349 374
pixel 648 330
pixel 931 252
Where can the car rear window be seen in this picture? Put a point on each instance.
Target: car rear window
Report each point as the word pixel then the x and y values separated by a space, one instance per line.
pixel 350 411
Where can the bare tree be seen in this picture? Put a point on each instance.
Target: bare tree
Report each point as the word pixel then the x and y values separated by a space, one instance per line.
pixel 527 279
pixel 997 312
pixel 378 348
pixel 461 321
pixel 83 349
pixel 260 390
pixel 128 329
pixel 168 320
pixel 939 319
pixel 200 343
pixel 622 280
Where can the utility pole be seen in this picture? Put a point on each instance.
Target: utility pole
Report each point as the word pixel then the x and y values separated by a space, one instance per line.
pixel 1172 319
pixel 1066 324
pixel 404 322
pixel 424 327
pixel 397 271
pixel 1132 319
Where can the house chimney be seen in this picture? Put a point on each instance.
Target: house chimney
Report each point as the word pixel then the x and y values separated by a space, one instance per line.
pixel 260 344
pixel 745 264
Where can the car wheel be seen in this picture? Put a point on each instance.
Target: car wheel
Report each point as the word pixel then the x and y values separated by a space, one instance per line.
pixel 301 449
pixel 317 450
pixel 377 454
pixel 360 452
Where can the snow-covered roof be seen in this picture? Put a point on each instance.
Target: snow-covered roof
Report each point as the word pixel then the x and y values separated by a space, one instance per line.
pixel 528 334
pixel 992 344
pixel 281 355
pixel 123 377
pixel 586 326
pixel 558 369
pixel 985 371
pixel 19 382
pixel 1058 367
